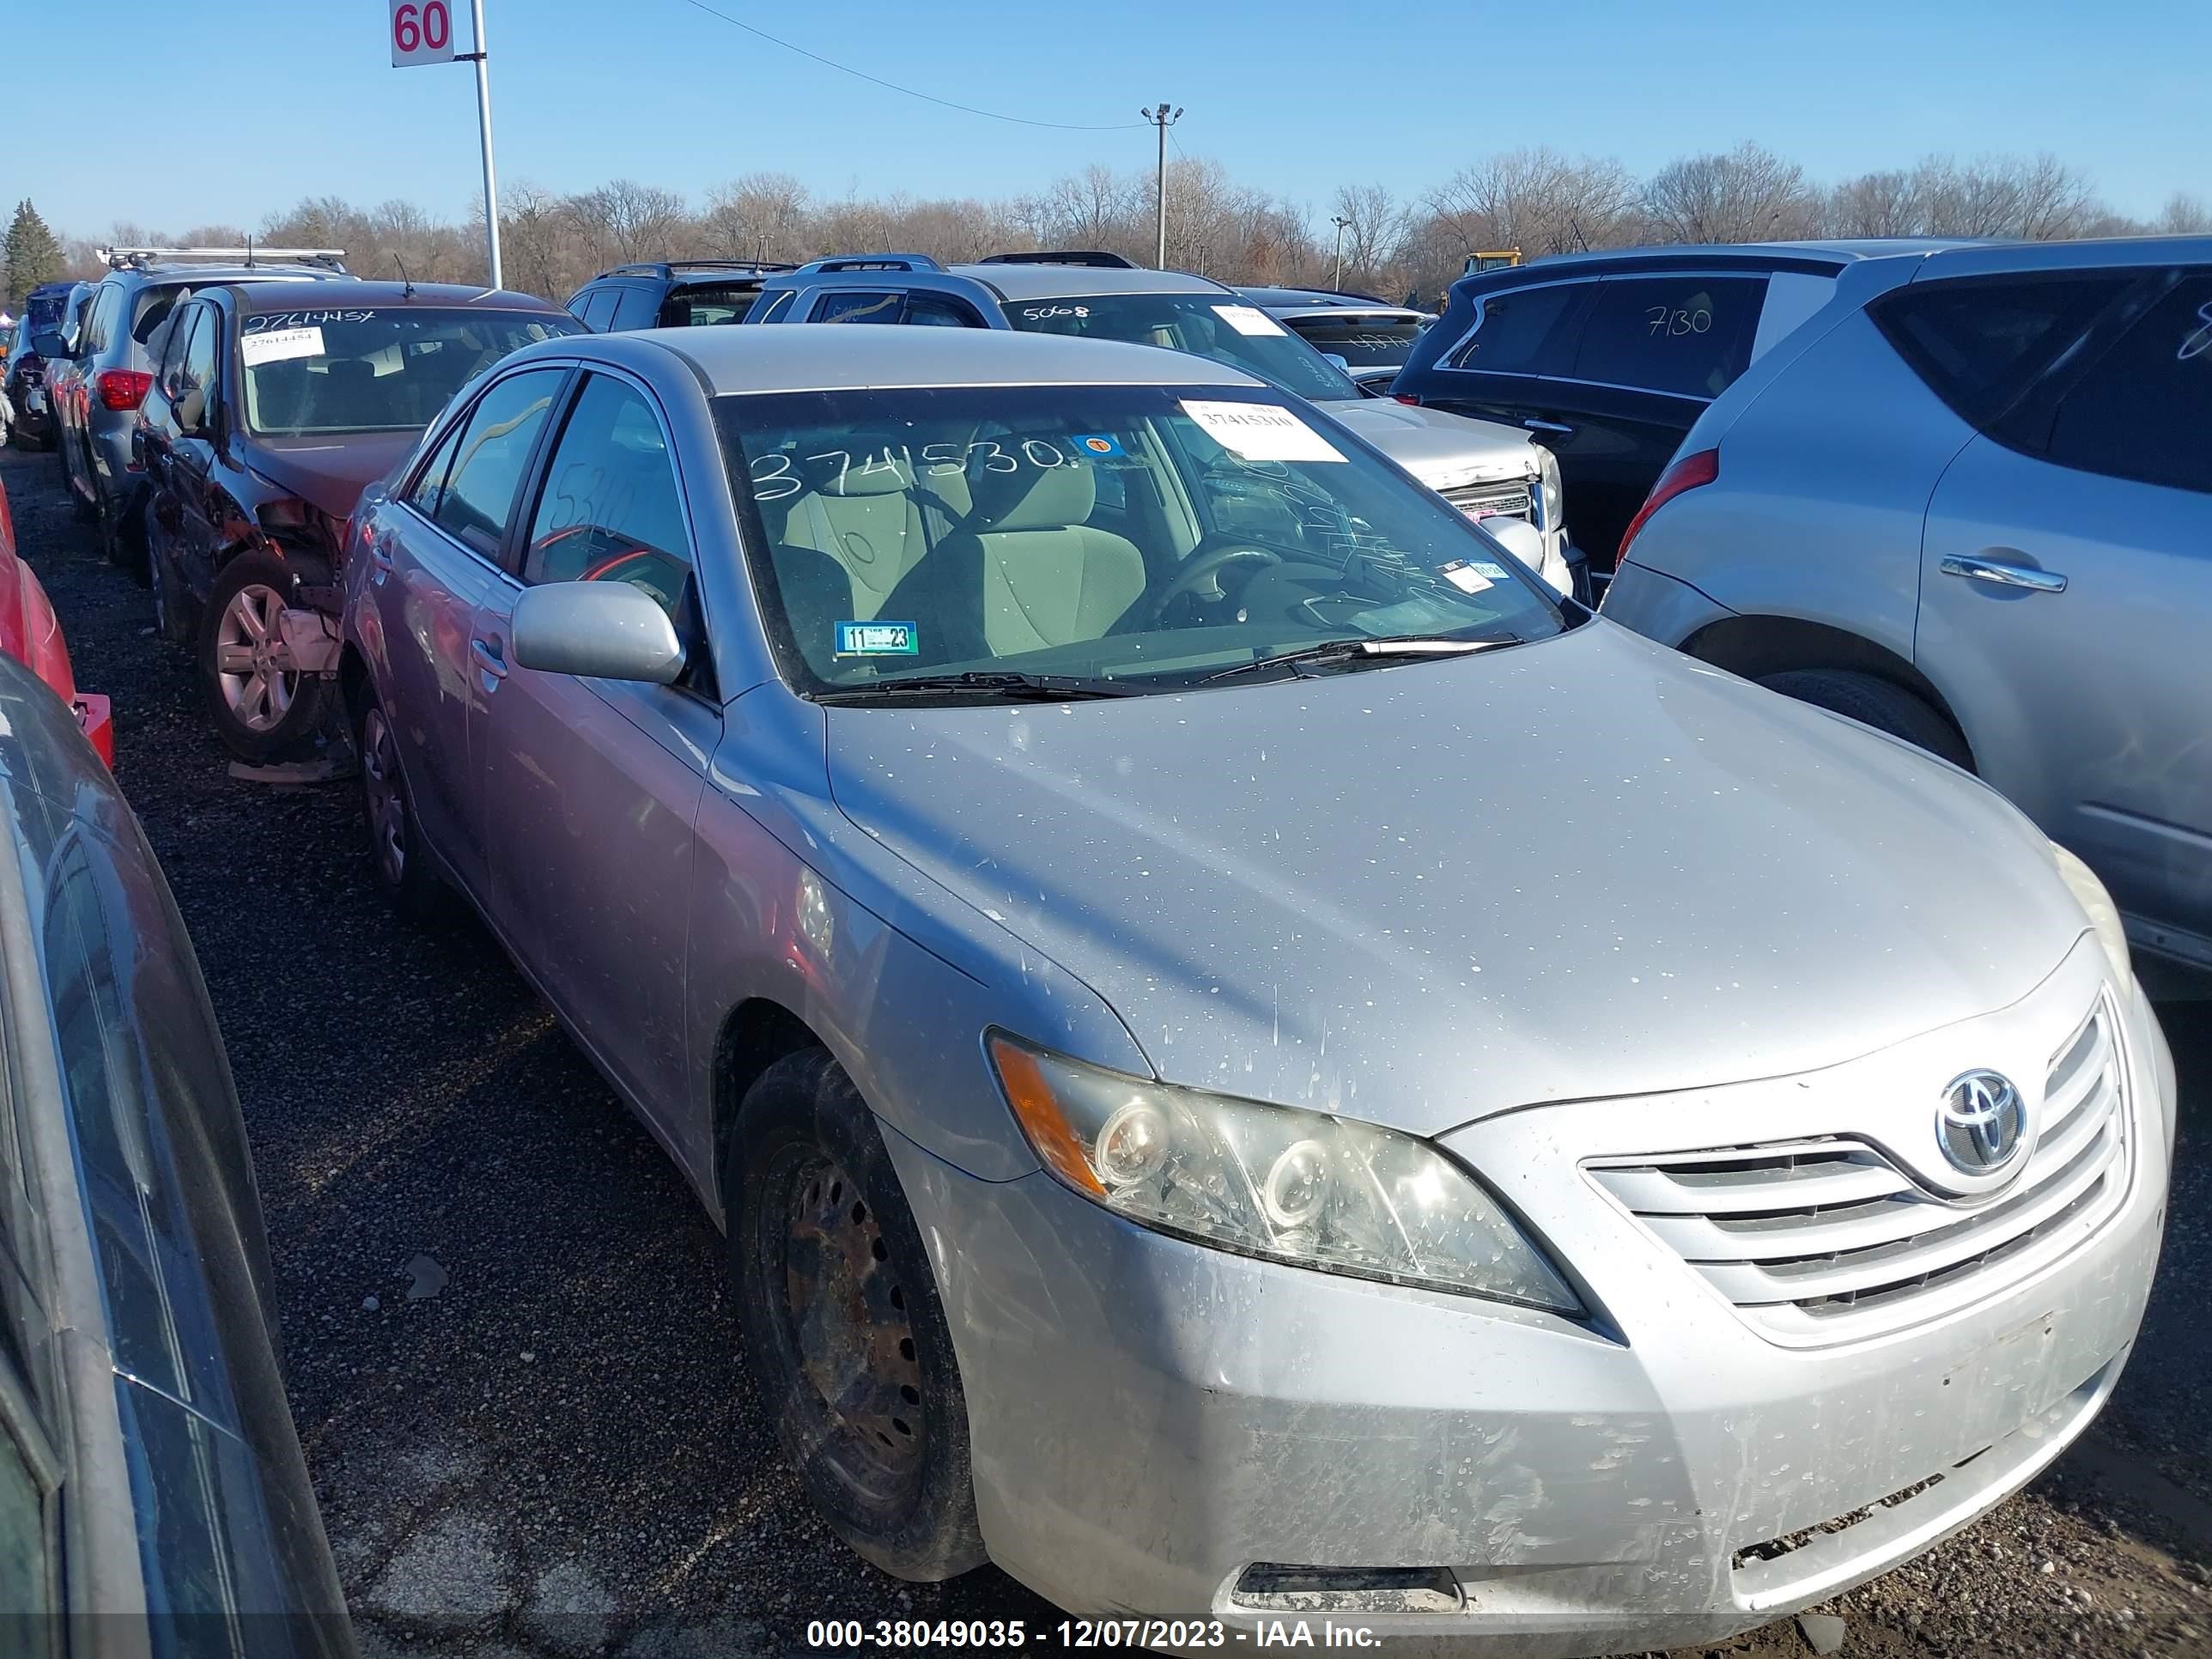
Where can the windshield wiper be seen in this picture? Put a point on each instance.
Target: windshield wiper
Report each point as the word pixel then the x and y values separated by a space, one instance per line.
pixel 993 683
pixel 1350 651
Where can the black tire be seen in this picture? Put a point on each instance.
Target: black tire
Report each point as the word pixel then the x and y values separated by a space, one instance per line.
pixel 1877 702
pixel 275 712
pixel 173 613
pixel 80 509
pixel 122 537
pixel 396 861
pixel 813 1200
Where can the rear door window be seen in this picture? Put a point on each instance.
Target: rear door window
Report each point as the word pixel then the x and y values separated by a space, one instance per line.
pixel 637 306
pixel 493 455
pixel 1689 336
pixel 595 308
pixel 1979 342
pixel 853 305
pixel 2143 409
pixel 938 311
pixel 1527 330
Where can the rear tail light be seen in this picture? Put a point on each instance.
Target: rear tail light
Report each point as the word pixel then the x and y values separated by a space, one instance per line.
pixel 1689 471
pixel 123 388
pixel 1407 398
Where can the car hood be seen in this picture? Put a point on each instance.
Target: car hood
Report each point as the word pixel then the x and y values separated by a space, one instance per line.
pixel 1420 895
pixel 331 470
pixel 1443 451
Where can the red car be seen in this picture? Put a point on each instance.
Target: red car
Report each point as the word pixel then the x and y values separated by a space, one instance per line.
pixel 30 633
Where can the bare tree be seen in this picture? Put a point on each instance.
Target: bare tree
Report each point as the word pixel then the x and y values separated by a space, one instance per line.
pixel 1374 224
pixel 625 221
pixel 1747 195
pixel 760 216
pixel 2184 216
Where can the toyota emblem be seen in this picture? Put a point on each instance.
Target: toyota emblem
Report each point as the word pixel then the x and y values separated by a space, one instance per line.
pixel 1982 1123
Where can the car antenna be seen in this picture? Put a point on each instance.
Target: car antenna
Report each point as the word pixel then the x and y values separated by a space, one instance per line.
pixel 406 283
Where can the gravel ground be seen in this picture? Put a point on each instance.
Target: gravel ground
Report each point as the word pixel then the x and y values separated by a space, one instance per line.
pixel 513 1364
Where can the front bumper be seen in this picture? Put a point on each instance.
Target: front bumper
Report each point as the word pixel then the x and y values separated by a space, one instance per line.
pixel 1150 1418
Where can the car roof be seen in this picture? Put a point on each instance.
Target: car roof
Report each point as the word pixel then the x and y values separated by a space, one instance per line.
pixel 1016 282
pixel 205 275
pixel 1837 251
pixel 837 357
pixel 256 297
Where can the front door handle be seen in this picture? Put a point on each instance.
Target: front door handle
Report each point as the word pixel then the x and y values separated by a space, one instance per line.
pixel 489 657
pixel 1535 425
pixel 1997 571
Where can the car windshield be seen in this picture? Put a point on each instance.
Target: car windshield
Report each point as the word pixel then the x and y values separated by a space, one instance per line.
pixel 374 368
pixel 1207 325
pixel 1097 539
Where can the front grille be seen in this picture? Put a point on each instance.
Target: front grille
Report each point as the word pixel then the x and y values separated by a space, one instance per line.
pixel 1828 1239
pixel 1512 499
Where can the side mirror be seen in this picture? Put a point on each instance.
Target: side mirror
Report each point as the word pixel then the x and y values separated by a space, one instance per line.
pixel 1342 362
pixel 601 630
pixel 1519 538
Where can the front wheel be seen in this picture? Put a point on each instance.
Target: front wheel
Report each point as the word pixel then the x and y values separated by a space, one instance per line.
pixel 1881 703
pixel 262 705
pixel 846 1337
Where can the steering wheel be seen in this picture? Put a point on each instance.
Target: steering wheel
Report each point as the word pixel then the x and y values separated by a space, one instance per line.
pixel 1212 554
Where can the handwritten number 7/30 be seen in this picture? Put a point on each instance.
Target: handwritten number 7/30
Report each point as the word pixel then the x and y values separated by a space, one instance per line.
pixel 1662 320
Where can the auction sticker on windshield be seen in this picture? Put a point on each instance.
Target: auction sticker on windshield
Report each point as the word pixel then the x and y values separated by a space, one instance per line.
pixel 1248 319
pixel 274 345
pixel 877 639
pixel 1260 432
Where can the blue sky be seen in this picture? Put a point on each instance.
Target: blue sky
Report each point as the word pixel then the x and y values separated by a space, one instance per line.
pixel 299 98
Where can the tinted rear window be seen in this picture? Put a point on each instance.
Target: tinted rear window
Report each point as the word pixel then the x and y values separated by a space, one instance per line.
pixel 1529 331
pixel 2144 409
pixel 1363 341
pixel 1978 341
pixel 705 304
pixel 1690 336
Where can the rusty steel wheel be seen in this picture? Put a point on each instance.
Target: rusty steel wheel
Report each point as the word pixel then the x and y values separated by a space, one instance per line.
pixel 846 1318
pixel 846 1334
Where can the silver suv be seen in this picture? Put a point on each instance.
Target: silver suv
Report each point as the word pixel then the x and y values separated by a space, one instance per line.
pixel 96 392
pixel 1970 502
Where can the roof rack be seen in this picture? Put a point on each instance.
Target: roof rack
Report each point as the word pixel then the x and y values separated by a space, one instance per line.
pixel 872 262
pixel 670 267
pixel 137 258
pixel 1093 258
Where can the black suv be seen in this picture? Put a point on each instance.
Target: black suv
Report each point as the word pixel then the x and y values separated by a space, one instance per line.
pixel 272 405
pixel 1610 358
pixel 670 294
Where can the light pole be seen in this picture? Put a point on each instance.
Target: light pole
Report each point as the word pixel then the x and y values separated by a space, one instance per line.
pixel 1161 119
pixel 1341 225
pixel 483 121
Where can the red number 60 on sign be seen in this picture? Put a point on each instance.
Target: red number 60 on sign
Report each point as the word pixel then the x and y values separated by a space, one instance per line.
pixel 421 32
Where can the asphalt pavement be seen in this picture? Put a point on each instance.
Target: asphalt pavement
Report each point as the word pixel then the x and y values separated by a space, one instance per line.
pixel 514 1365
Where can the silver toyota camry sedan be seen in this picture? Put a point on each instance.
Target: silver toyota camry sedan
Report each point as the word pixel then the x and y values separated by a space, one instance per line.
pixel 1251 1058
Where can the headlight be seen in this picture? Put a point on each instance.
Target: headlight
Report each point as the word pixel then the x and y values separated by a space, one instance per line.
pixel 1270 1181
pixel 2104 915
pixel 1550 497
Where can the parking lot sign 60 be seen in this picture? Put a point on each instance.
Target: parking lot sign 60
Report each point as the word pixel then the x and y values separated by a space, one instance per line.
pixel 421 32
